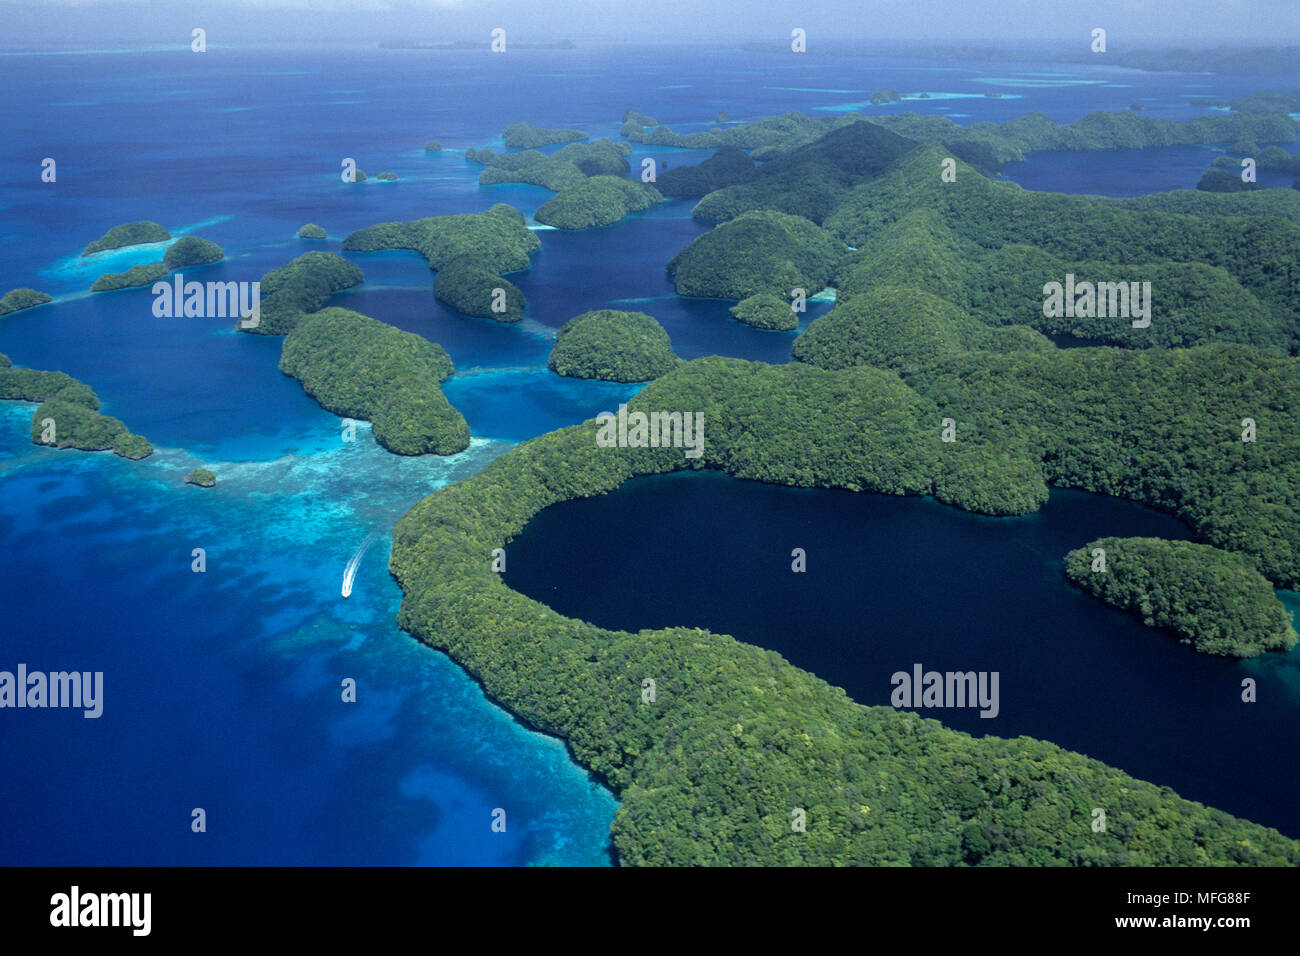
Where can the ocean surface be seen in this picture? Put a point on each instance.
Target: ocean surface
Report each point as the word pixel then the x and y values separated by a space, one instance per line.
pixel 222 689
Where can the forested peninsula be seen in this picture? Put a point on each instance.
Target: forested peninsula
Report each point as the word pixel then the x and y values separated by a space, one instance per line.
pixel 1215 600
pixel 738 738
pixel 362 368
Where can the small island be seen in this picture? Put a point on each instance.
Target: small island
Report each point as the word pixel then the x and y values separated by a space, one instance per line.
pixel 192 251
pixel 569 166
pixel 433 146
pixel 528 136
pixel 201 477
pixel 311 231
pixel 360 367
pixel 128 234
pixel 639 119
pixel 766 311
pixel 68 416
pixel 388 176
pixel 1214 600
pixel 885 96
pixel 15 300
pixel 612 346
pixel 498 239
pixel 599 201
pixel 142 274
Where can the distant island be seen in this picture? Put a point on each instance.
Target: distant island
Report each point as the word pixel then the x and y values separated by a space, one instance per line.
pixel 613 346
pixel 128 234
pixel 598 201
pixel 528 136
pixel 312 231
pixel 16 300
pixel 143 274
pixel 456 45
pixel 1214 599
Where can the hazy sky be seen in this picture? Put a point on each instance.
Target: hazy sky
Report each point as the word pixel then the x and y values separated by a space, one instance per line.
pixel 65 24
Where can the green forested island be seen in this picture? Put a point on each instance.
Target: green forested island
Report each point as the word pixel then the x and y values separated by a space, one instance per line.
pixel 312 231
pixel 300 287
pixel 531 167
pixel 17 299
pixel 990 248
pixel 202 477
pixel 362 368
pixel 1214 599
pixel 527 136
pixel 143 274
pixel 128 234
pixel 68 416
pixel 184 253
pixel 472 289
pixel 470 253
pixel 192 251
pixel 613 346
pixel 1000 142
pixel 880 786
pixel 597 201
pixel 498 239
pixel 639 119
pixel 568 166
pixel 758 251
pixel 763 310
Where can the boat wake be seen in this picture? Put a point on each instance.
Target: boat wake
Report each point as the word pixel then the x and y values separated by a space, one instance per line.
pixel 350 572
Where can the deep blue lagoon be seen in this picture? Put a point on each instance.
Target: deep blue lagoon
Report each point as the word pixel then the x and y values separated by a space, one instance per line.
pixel 893 582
